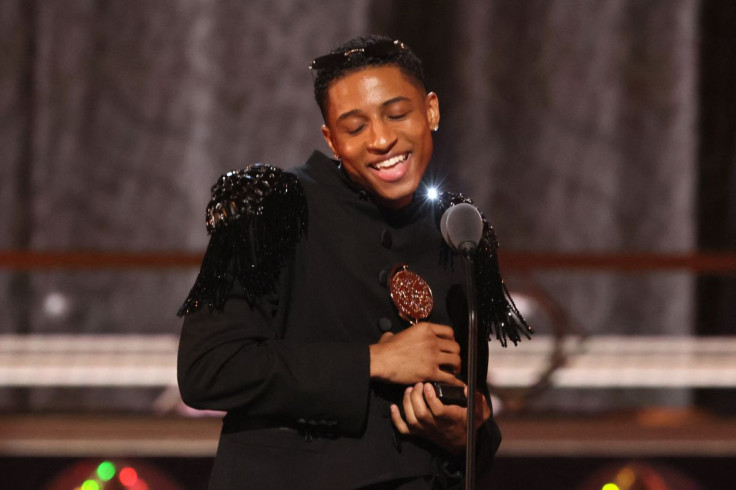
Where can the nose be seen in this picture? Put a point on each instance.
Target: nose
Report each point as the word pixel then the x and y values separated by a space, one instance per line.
pixel 382 137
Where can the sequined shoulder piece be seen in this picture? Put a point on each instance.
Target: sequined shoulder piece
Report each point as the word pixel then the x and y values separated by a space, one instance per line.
pixel 255 218
pixel 497 314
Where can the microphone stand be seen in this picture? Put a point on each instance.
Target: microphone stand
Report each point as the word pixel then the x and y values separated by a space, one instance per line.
pixel 472 371
pixel 462 228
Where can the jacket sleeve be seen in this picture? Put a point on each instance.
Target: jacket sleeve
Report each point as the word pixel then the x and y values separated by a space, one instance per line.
pixel 231 353
pixel 234 359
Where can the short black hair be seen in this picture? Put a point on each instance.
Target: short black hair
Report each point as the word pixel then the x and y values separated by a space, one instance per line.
pixel 404 59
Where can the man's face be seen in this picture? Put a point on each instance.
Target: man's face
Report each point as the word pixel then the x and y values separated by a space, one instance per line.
pixel 379 123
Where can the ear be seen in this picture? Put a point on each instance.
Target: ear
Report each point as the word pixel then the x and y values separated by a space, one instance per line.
pixel 432 106
pixel 327 135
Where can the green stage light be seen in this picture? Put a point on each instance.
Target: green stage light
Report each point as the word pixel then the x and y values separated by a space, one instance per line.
pixel 106 470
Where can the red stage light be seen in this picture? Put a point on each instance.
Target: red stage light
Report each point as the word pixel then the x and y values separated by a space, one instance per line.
pixel 128 476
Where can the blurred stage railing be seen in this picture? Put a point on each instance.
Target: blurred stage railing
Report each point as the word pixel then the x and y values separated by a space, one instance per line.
pixel 703 263
pixel 603 361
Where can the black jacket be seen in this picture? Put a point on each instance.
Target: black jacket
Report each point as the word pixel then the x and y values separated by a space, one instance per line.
pixel 291 365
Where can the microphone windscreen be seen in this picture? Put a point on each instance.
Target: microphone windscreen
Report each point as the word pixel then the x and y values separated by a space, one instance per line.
pixel 462 227
pixel 443 227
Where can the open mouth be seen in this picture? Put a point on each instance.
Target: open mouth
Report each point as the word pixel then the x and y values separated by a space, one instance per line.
pixel 392 169
pixel 391 162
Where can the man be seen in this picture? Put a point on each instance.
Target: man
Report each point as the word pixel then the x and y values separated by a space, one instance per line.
pixel 290 326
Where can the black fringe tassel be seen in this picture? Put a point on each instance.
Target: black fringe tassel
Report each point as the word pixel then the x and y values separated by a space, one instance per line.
pixel 255 218
pixel 497 314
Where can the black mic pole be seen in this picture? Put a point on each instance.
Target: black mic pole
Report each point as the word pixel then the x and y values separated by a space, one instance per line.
pixel 462 229
pixel 472 368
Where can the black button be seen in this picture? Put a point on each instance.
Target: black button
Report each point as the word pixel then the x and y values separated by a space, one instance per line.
pixel 386 240
pixel 363 195
pixel 383 278
pixel 385 324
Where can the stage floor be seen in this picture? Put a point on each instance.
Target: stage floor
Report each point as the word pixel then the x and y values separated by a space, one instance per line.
pixel 657 433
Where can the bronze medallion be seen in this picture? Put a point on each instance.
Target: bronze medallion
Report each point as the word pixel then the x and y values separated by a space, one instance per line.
pixel 410 293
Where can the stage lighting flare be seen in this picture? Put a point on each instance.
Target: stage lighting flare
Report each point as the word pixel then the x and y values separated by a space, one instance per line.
pixel 56 305
pixel 104 474
pixel 128 476
pixel 90 485
pixel 105 471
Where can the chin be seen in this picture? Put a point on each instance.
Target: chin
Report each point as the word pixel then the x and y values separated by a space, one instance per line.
pixel 398 199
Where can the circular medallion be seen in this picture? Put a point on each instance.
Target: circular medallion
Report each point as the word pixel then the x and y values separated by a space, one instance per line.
pixel 410 293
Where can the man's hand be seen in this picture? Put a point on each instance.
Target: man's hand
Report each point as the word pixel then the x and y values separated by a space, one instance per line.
pixel 416 354
pixel 425 415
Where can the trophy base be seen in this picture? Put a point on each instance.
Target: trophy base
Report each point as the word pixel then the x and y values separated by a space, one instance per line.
pixel 450 394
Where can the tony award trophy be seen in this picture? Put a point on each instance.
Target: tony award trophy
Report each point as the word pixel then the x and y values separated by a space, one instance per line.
pixel 413 299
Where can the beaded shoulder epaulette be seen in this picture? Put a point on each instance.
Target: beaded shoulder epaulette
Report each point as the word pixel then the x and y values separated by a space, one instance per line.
pixel 255 218
pixel 497 314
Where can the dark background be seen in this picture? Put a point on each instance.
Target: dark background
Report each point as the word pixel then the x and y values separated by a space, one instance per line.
pixel 507 473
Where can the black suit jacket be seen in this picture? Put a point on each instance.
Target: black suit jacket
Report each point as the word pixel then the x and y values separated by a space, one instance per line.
pixel 292 368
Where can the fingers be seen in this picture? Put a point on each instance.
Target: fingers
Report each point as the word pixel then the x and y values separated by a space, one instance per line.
pixel 412 406
pixel 448 353
pixel 438 330
pixel 398 421
pixel 425 415
pixel 451 361
pixel 442 331
pixel 418 415
pixel 482 408
pixel 422 412
pixel 482 411
pixel 446 378
pixel 449 346
pixel 423 408
pixel 416 354
pixel 433 402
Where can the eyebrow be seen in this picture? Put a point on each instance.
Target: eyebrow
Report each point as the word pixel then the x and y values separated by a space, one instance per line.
pixel 356 112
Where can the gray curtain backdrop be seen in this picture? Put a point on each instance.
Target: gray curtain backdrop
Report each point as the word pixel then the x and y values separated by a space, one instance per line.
pixel 571 123
pixel 574 124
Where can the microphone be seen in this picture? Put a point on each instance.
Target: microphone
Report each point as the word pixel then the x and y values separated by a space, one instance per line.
pixel 462 227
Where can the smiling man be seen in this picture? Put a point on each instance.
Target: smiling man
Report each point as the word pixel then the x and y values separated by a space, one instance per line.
pixel 377 122
pixel 291 327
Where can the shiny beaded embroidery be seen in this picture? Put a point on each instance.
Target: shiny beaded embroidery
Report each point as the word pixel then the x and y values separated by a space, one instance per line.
pixel 255 218
pixel 497 313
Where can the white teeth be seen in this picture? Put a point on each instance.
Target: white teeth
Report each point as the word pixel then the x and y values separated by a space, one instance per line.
pixel 391 162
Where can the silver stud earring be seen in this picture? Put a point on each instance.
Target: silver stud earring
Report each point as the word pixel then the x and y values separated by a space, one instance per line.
pixel 436 127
